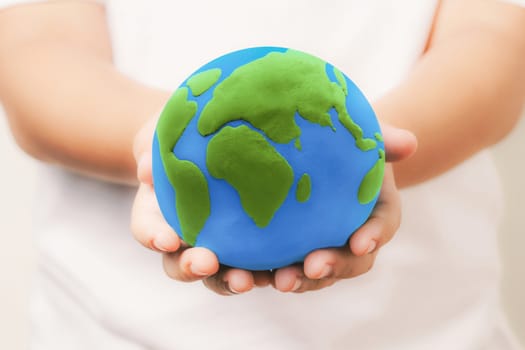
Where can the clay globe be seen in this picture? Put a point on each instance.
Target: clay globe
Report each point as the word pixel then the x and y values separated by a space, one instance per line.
pixel 266 154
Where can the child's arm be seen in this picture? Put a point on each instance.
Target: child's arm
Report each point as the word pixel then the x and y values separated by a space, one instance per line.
pixel 466 92
pixel 65 101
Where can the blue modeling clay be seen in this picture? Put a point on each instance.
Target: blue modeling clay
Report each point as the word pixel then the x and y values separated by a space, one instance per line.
pixel 266 154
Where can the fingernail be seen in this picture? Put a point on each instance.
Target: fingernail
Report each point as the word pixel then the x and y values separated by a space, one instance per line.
pixel 231 289
pixel 371 246
pixel 327 270
pixel 297 284
pixel 162 242
pixel 196 270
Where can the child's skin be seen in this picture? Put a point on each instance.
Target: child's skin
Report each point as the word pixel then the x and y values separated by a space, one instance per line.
pixel 67 104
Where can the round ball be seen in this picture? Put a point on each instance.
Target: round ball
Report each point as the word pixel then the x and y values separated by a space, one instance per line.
pixel 266 154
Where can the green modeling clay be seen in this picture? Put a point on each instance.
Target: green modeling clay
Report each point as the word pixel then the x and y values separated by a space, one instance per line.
pixel 260 175
pixel 269 91
pixel 341 80
pixel 297 144
pixel 192 197
pixel 304 187
pixel 201 82
pixel 371 184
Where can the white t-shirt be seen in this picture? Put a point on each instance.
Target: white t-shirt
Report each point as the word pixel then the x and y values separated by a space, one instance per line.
pixel 435 286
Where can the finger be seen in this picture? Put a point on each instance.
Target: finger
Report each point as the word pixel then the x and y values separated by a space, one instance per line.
pixel 190 264
pixel 142 151
pixel 336 263
pixel 399 143
pixel 383 222
pixel 144 139
pixel 293 279
pixel 230 281
pixel 289 278
pixel 322 268
pixel 309 285
pixel 144 169
pixel 147 224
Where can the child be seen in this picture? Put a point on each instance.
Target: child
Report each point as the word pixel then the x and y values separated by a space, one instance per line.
pixel 79 80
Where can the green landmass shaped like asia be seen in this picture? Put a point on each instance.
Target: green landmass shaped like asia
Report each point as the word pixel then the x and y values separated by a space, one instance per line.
pixel 268 92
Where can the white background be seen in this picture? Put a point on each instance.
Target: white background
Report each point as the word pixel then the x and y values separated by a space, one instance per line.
pixel 18 192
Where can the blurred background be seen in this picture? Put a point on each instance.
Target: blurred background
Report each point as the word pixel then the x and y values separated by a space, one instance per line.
pixel 17 193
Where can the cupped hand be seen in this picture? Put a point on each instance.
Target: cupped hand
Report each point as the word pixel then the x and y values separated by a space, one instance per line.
pixel 320 269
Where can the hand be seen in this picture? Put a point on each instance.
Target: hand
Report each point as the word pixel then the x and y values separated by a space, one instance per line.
pixel 321 268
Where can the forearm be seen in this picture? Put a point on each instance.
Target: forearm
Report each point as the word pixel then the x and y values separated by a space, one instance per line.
pixel 465 94
pixel 88 127
pixel 68 104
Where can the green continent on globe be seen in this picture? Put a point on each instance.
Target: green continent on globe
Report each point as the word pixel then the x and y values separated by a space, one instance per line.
pixel 247 161
pixel 371 183
pixel 203 81
pixel 191 188
pixel 269 91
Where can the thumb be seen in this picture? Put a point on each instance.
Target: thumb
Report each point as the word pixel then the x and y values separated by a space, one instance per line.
pixel 142 151
pixel 399 143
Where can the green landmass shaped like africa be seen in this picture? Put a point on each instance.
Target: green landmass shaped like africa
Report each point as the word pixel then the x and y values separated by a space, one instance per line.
pixel 261 176
pixel 192 199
